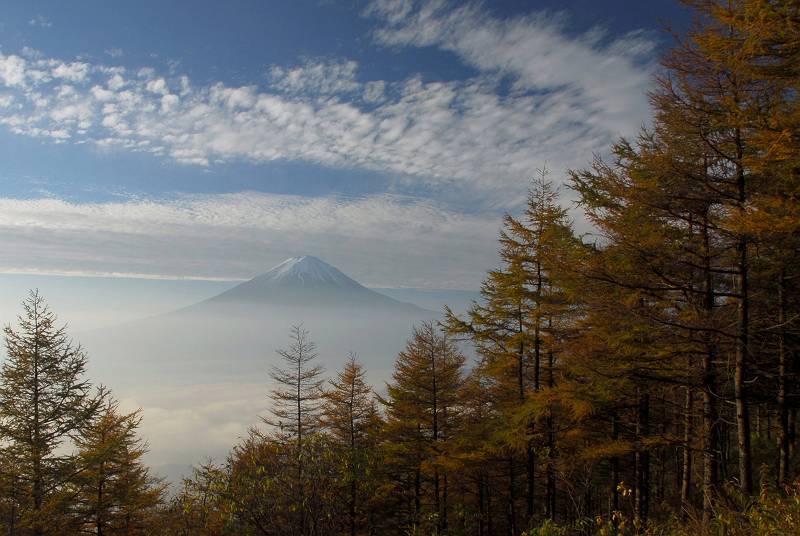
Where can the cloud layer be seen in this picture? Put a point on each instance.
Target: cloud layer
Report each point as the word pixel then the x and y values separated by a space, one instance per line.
pixel 540 96
pixel 380 240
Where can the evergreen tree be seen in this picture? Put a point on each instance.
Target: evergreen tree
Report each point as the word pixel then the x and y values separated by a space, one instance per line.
pixel 516 330
pixel 114 492
pixel 44 402
pixel 297 402
pixel 421 419
pixel 352 419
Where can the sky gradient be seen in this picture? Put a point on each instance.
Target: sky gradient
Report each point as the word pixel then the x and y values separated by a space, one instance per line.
pixel 153 154
pixel 207 140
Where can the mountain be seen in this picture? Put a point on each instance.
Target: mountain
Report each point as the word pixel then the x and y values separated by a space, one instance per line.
pixel 203 371
pixel 304 282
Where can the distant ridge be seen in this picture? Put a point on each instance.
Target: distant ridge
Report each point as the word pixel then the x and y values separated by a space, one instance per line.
pixel 306 281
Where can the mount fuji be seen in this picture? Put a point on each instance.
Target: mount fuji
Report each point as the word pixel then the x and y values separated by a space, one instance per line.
pixel 304 282
pixel 203 371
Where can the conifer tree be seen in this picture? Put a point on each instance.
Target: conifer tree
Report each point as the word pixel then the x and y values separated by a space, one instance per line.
pixel 297 401
pixel 421 418
pixel 718 91
pixel 516 329
pixel 478 460
pixel 114 491
pixel 350 415
pixel 764 38
pixel 666 260
pixel 44 401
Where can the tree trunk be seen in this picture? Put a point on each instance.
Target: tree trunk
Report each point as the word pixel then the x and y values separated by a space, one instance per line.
pixel 551 444
pixel 642 459
pixel 481 506
pixel 436 503
pixel 742 338
pixel 512 509
pixel 783 410
pixel 301 507
pixel 444 504
pixel 489 509
pixel 417 499
pixel 708 389
pixel 38 476
pixel 614 506
pixel 686 477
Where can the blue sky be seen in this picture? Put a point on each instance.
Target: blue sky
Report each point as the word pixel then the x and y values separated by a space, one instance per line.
pixel 154 153
pixel 211 140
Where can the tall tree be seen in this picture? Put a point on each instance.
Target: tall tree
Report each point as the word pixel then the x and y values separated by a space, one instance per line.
pixel 350 415
pixel 421 417
pixel 764 36
pixel 114 491
pixel 297 402
pixel 516 329
pixel 714 92
pixel 44 401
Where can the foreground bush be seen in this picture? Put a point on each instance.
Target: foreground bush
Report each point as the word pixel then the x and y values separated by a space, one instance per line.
pixel 771 513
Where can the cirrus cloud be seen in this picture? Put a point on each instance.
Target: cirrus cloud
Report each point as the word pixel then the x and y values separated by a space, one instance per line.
pixel 235 236
pixel 570 97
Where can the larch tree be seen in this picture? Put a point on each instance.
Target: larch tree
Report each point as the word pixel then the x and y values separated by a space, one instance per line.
pixel 114 491
pixel 504 328
pixel 44 402
pixel 516 328
pixel 767 46
pixel 352 419
pixel 421 418
pixel 714 91
pixel 297 401
pixel 663 257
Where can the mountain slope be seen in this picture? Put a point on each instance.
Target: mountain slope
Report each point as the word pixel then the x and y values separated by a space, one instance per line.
pixel 303 282
pixel 203 371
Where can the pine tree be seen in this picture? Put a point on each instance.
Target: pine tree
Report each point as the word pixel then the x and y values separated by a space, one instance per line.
pixel 421 417
pixel 297 402
pixel 350 416
pixel 114 491
pixel 516 330
pixel 44 401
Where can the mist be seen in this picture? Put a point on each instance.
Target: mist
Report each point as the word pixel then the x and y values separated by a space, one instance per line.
pixel 201 375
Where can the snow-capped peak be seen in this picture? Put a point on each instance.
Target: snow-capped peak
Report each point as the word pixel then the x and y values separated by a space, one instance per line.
pixel 307 270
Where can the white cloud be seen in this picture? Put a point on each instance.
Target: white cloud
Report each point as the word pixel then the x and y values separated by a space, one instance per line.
pixel 174 414
pixel 12 70
pixel 316 77
pixel 606 80
pixel 157 86
pixel 375 91
pixel 41 21
pixel 571 97
pixel 169 103
pixel 116 82
pixel 408 242
pixel 74 72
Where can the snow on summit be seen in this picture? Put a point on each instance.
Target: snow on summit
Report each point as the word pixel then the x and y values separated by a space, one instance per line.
pixel 306 281
pixel 307 270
